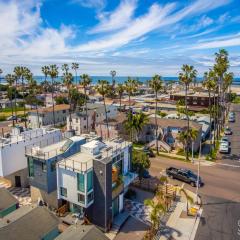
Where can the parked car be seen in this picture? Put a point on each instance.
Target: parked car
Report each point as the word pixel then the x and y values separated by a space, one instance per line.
pixel 228 131
pixel 184 175
pixel 224 147
pixel 224 139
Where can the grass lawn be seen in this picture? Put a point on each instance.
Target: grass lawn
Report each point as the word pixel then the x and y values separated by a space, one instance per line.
pixel 7 110
pixel 8 114
pixel 138 145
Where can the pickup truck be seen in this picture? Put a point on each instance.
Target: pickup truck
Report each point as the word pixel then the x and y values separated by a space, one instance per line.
pixel 184 175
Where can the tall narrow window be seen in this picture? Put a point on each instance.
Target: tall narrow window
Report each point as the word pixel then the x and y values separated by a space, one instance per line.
pixel 30 167
pixel 89 181
pixel 80 182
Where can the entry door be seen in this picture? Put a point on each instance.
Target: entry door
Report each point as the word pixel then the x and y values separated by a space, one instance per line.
pixel 115 207
pixel 18 181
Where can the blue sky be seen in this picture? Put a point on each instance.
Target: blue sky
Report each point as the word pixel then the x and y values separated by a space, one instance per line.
pixel 134 37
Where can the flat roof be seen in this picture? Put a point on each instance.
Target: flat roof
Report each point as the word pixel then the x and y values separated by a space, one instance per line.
pixel 32 226
pixel 6 199
pixel 58 107
pixel 82 232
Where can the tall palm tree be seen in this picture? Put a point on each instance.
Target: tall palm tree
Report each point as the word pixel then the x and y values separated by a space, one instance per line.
pixel 65 68
pixel 220 67
pixel 189 199
pixel 113 73
pixel 68 80
pixel 156 84
pixel 11 78
pixel 103 88
pixel 85 81
pixel 187 76
pixel 1 71
pixel 227 82
pixel 210 84
pixel 45 71
pixel 120 90
pixel 53 73
pixel 139 121
pixel 131 86
pixel 75 67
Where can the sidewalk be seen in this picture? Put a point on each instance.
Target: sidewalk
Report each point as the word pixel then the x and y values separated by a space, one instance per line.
pixel 203 162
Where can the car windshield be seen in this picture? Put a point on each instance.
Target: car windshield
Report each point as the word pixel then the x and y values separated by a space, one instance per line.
pixel 191 174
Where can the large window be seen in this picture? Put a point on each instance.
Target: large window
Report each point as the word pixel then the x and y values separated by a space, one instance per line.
pixel 30 167
pixel 81 198
pixel 89 181
pixel 90 197
pixel 63 192
pixel 80 182
pixel 44 167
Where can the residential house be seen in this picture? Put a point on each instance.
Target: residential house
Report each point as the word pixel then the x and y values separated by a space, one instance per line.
pixel 8 203
pixel 44 116
pixel 42 167
pixel 168 130
pixel 38 223
pixel 6 103
pixel 96 113
pixel 115 126
pixel 13 162
pixel 93 181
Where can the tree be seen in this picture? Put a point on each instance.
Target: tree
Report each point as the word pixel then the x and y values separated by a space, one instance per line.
pixel 45 71
pixel 120 90
pixel 68 80
pixel 61 100
pixel 187 76
pixel 156 84
pixel 131 86
pixel 77 98
pixel 140 163
pixel 210 84
pixel 1 71
pixel 53 73
pixel 18 73
pixel 113 73
pixel 103 88
pixel 75 67
pixel 220 67
pixel 11 78
pixel 187 196
pixel 157 209
pixel 85 82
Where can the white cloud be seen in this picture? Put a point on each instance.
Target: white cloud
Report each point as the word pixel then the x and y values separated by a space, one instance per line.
pixel 117 19
pixel 90 3
pixel 218 44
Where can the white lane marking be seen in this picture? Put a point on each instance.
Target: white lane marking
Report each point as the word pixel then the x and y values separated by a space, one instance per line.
pixel 229 165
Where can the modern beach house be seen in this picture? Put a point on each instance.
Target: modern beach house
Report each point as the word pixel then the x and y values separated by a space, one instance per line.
pixel 93 181
pixel 13 162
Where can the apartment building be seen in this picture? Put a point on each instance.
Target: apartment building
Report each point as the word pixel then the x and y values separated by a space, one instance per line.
pixel 13 162
pixel 42 167
pixel 44 116
pixel 93 181
pixel 96 114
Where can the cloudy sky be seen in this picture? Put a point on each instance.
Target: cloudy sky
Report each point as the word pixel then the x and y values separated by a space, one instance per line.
pixel 134 37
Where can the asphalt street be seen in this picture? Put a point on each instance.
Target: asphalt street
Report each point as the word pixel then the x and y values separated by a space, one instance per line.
pixel 221 191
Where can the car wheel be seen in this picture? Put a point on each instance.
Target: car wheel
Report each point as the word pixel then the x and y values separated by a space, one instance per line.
pixel 192 184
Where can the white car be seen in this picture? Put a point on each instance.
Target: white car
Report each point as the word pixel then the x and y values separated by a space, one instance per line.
pixel 224 147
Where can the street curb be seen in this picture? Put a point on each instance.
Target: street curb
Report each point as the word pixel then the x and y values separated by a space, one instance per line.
pixel 195 228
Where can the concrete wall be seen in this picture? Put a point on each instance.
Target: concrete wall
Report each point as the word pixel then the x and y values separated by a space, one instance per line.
pixel 23 176
pixel 12 156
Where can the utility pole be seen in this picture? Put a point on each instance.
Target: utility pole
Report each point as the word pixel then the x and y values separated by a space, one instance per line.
pixel 192 152
pixel 198 173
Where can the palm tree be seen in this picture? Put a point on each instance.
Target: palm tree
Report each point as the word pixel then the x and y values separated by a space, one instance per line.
pixel 53 73
pixel 45 71
pixel 157 209
pixel 85 82
pixel 220 67
pixel 139 121
pixel 131 86
pixel 187 76
pixel 156 84
pixel 75 67
pixel 187 196
pixel 120 90
pixel 1 71
pixel 65 68
pixel 103 88
pixel 210 84
pixel 113 73
pixel 68 80
pixel 227 82
pixel 10 78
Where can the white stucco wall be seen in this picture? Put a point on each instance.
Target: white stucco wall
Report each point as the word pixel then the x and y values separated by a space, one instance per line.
pixel 12 156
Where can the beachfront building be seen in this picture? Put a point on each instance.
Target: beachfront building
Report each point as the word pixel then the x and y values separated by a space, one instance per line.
pixel 44 116
pixel 93 181
pixel 13 162
pixel 95 114
pixel 197 99
pixel 42 167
